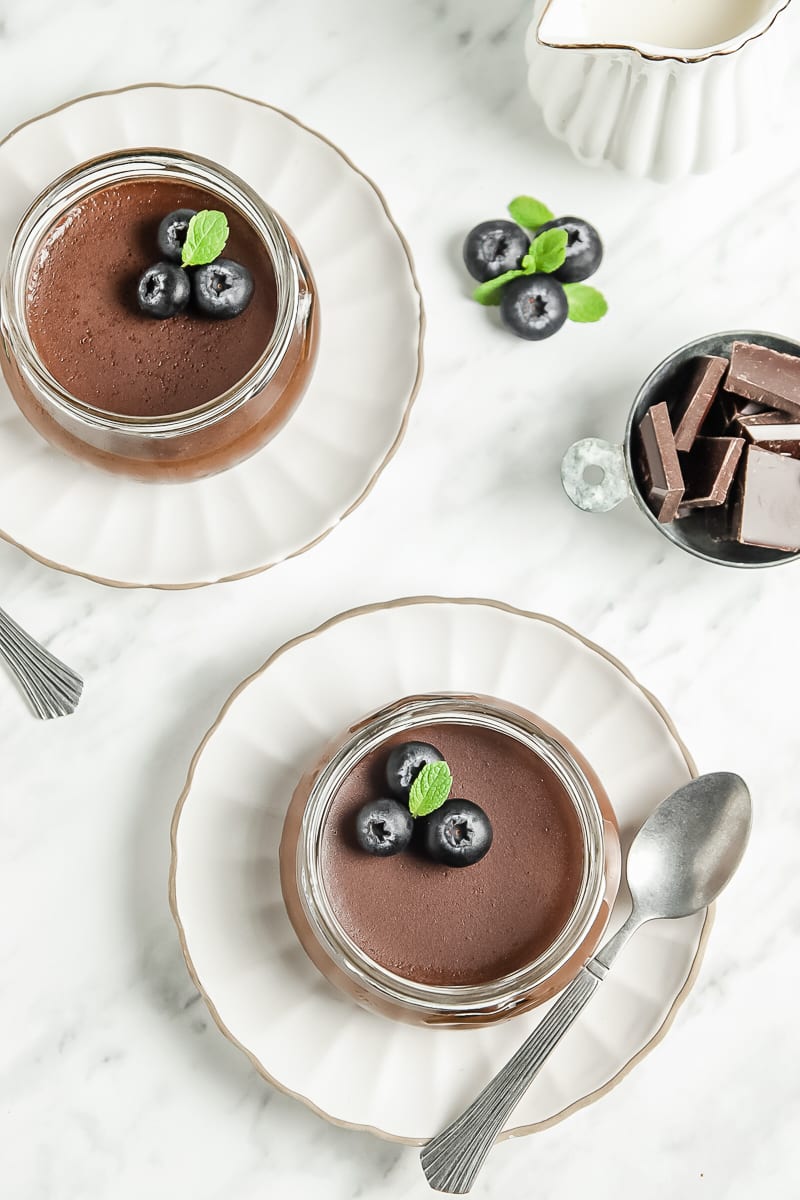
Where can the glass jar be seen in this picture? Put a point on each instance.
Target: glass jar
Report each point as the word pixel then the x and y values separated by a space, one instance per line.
pixel 199 441
pixel 346 965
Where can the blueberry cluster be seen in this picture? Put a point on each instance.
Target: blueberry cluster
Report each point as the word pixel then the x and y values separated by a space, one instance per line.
pixel 536 275
pixel 221 289
pixel 457 834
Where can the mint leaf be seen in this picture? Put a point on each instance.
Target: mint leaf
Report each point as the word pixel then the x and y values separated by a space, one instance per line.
pixel 529 262
pixel 205 238
pixel 430 789
pixel 489 292
pixel 549 249
pixel 586 304
pixel 529 213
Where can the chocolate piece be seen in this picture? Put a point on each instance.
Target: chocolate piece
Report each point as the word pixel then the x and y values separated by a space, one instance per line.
pixel 692 409
pixel 769 502
pixel 660 466
pixel 709 471
pixel 772 431
pixel 765 376
pixel 767 416
pixel 727 411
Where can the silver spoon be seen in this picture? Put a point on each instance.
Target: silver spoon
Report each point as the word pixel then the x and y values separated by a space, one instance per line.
pixel 53 689
pixel 678 863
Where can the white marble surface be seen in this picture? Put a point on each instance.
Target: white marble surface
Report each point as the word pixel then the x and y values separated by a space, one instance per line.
pixel 113 1080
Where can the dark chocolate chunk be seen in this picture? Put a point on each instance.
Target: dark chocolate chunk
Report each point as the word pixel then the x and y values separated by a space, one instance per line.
pixel 765 376
pixel 727 411
pixel 768 509
pixel 773 431
pixel 661 469
pixel 708 472
pixel 767 416
pixel 691 410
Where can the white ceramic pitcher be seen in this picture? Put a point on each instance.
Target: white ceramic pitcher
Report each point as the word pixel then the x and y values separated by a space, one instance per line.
pixel 659 88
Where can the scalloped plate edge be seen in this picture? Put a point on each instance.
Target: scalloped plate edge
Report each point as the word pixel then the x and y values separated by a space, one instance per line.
pixel 363 610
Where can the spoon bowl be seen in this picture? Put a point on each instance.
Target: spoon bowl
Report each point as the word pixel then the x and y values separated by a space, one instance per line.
pixel 688 849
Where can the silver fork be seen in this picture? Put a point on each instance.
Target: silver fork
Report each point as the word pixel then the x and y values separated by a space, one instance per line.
pixel 51 687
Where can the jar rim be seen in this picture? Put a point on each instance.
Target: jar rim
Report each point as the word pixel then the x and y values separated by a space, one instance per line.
pixel 506 992
pixel 118 167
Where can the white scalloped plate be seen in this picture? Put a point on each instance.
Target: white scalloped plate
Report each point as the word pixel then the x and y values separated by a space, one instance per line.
pixel 325 459
pixel 399 1081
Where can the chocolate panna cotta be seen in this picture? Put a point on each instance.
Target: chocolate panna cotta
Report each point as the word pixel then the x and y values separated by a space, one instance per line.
pixel 85 320
pixel 440 925
pixel 726 441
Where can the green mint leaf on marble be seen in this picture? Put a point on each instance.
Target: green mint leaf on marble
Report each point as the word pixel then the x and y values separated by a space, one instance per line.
pixel 548 250
pixel 205 238
pixel 489 292
pixel 529 213
pixel 586 304
pixel 430 789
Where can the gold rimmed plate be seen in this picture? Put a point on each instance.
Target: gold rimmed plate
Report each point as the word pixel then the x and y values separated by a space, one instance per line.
pixel 357 1069
pixel 324 461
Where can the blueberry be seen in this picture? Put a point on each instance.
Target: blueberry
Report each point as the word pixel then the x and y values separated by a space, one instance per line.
pixel 458 834
pixel 494 247
pixel 534 306
pixel 405 763
pixel 222 288
pixel 164 290
pixel 172 233
pixel 384 827
pixel 584 249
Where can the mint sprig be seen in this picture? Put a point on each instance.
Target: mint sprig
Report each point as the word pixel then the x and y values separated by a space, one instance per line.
pixel 585 303
pixel 206 236
pixel 529 213
pixel 430 789
pixel 489 293
pixel 547 251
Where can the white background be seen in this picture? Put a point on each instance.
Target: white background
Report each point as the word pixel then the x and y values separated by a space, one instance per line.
pixel 113 1080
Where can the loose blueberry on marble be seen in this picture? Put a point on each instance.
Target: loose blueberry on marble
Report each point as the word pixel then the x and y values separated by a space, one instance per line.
pixel 163 290
pixel 405 763
pixel 172 233
pixel 384 827
pixel 584 249
pixel 534 307
pixel 222 289
pixel 458 834
pixel 494 247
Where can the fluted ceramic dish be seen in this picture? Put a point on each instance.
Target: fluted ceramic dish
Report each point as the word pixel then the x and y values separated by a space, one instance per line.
pixel 657 88
pixel 325 459
pixel 266 996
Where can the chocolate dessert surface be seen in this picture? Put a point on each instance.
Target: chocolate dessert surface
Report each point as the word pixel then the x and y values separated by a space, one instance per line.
pixel 85 322
pixel 447 926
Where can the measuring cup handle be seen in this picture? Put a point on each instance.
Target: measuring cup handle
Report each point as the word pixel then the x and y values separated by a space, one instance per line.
pixel 611 486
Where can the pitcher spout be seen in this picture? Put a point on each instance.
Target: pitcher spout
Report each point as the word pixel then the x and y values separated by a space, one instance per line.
pixel 684 29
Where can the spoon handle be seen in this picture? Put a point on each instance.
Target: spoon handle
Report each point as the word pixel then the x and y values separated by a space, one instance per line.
pixel 452 1159
pixel 51 687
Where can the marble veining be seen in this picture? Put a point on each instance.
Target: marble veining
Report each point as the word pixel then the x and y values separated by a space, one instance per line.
pixel 113 1079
